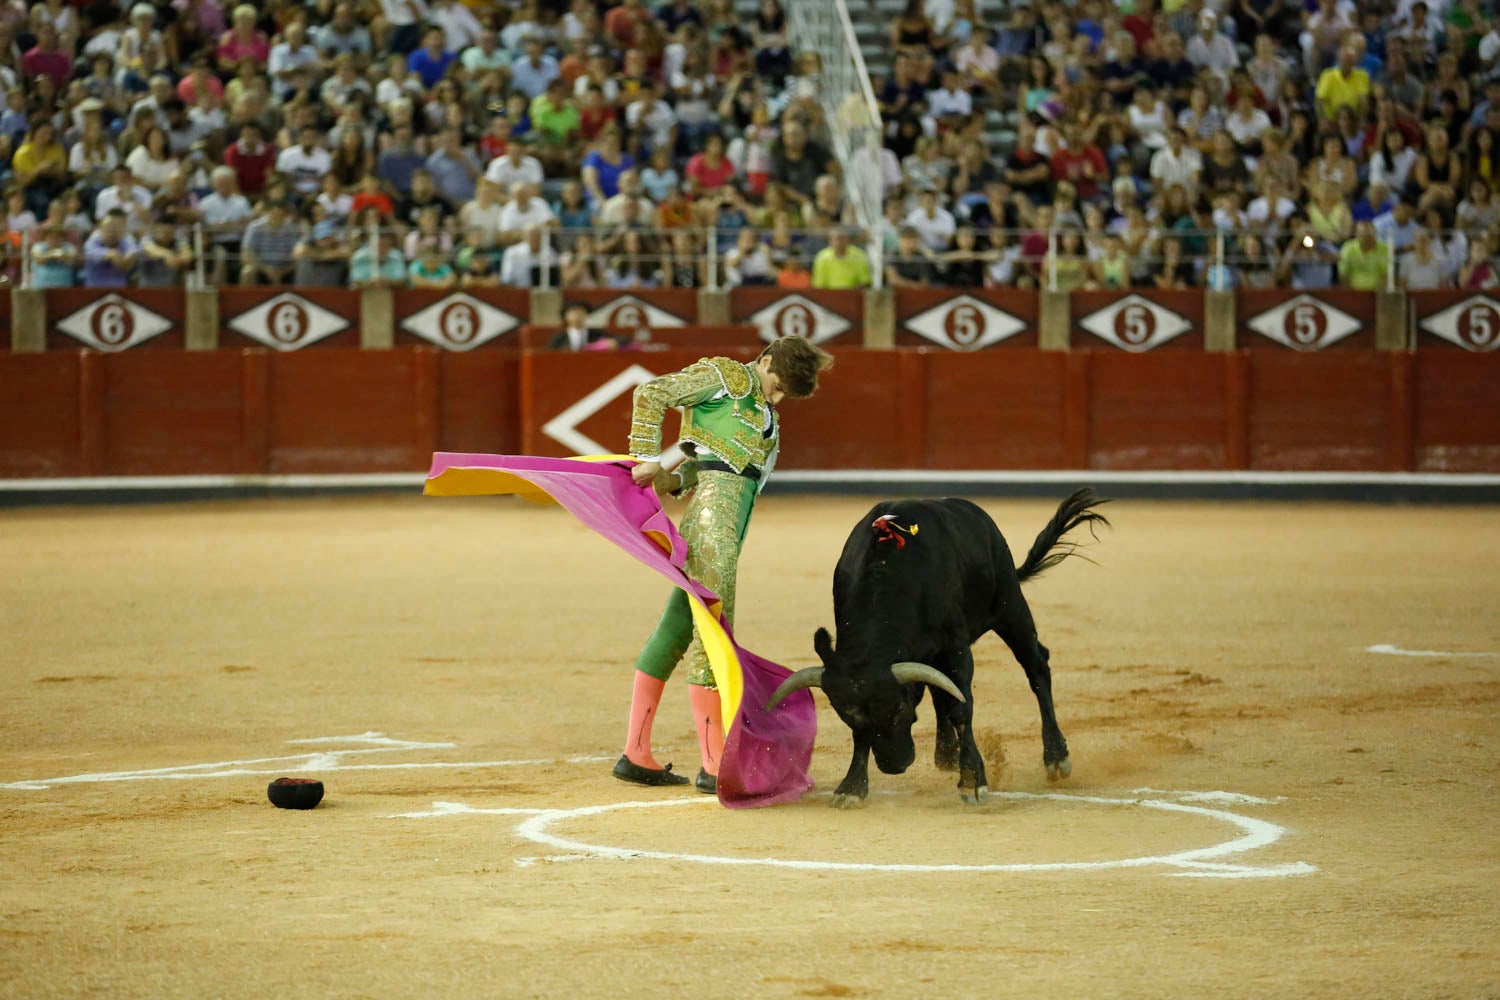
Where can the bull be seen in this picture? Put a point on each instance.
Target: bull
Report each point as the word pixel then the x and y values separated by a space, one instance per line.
pixel 918 582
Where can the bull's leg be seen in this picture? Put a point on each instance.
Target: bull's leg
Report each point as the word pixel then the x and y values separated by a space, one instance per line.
pixel 945 756
pixel 957 717
pixel 1019 633
pixel 856 784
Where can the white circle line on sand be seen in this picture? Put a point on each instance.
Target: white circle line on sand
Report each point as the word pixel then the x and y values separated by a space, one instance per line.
pixel 1255 834
pixel 1387 649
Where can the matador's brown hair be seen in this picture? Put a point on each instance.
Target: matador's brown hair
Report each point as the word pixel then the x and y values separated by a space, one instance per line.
pixel 798 362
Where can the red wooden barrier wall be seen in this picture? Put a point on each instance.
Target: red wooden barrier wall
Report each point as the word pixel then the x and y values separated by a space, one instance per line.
pixel 160 412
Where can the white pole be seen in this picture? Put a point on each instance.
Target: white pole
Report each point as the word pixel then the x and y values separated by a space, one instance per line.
pixel 198 253
pixel 1390 267
pixel 376 262
pixel 26 259
pixel 713 259
pixel 1052 257
pixel 1219 259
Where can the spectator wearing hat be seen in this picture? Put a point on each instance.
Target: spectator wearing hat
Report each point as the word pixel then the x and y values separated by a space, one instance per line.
pixel 322 259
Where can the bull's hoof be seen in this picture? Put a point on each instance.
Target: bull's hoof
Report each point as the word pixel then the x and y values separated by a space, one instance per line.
pixel 847 800
pixel 1059 769
pixel 975 796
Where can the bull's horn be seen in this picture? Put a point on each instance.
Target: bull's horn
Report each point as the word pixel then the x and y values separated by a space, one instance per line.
pixel 808 677
pixel 920 673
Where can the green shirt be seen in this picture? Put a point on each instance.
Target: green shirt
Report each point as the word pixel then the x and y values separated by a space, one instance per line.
pixel 1361 269
pixel 849 271
pixel 554 122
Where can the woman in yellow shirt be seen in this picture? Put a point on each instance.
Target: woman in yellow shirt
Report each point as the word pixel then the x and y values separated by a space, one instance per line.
pixel 40 166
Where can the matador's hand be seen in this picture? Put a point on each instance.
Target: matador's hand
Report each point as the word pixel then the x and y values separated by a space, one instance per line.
pixel 645 472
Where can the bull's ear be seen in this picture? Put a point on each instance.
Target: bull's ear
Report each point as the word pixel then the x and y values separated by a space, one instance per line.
pixel 823 645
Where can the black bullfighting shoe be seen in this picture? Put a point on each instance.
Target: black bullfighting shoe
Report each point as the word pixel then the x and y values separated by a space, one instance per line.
pixel 706 783
pixel 628 770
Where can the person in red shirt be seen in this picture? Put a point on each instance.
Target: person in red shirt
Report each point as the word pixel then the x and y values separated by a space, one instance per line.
pixel 252 158
pixel 1081 163
pixel 1142 25
pixel 593 113
pixel 709 170
pixel 371 197
pixel 47 59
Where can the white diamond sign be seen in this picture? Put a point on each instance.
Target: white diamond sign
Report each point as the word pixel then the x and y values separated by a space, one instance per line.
pixel 1473 324
pixel 563 428
pixel 1304 323
pixel 1135 324
pixel 459 322
pixel 630 313
pixel 796 316
pixel 114 323
pixel 964 324
pixel 288 322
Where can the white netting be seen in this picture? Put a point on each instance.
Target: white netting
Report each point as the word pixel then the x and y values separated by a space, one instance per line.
pixel 848 103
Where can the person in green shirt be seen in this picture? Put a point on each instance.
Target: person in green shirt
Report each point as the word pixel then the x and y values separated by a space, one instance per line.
pixel 1364 262
pixel 556 121
pixel 732 434
pixel 430 270
pixel 839 265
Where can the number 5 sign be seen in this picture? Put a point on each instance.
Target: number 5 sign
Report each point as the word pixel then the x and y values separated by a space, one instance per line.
pixel 1304 324
pixel 1473 324
pixel 964 323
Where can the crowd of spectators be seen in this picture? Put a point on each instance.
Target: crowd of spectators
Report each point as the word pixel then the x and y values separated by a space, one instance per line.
pixel 445 143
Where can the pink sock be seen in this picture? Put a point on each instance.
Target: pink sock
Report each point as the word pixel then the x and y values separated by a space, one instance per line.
pixel 643 703
pixel 708 719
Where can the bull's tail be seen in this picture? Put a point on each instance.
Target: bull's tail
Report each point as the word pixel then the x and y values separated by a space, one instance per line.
pixel 1049 549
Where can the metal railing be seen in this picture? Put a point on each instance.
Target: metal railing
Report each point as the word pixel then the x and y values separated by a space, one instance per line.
pixel 709 259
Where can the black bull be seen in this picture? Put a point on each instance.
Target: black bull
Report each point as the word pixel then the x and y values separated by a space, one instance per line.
pixel 919 581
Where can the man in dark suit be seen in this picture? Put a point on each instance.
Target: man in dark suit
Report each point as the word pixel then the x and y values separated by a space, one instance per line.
pixel 576 335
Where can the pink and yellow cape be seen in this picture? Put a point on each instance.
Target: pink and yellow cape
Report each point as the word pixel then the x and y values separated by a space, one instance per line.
pixel 766 754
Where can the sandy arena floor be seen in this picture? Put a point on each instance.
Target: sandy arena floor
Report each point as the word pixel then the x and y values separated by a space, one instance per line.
pixel 1216 648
